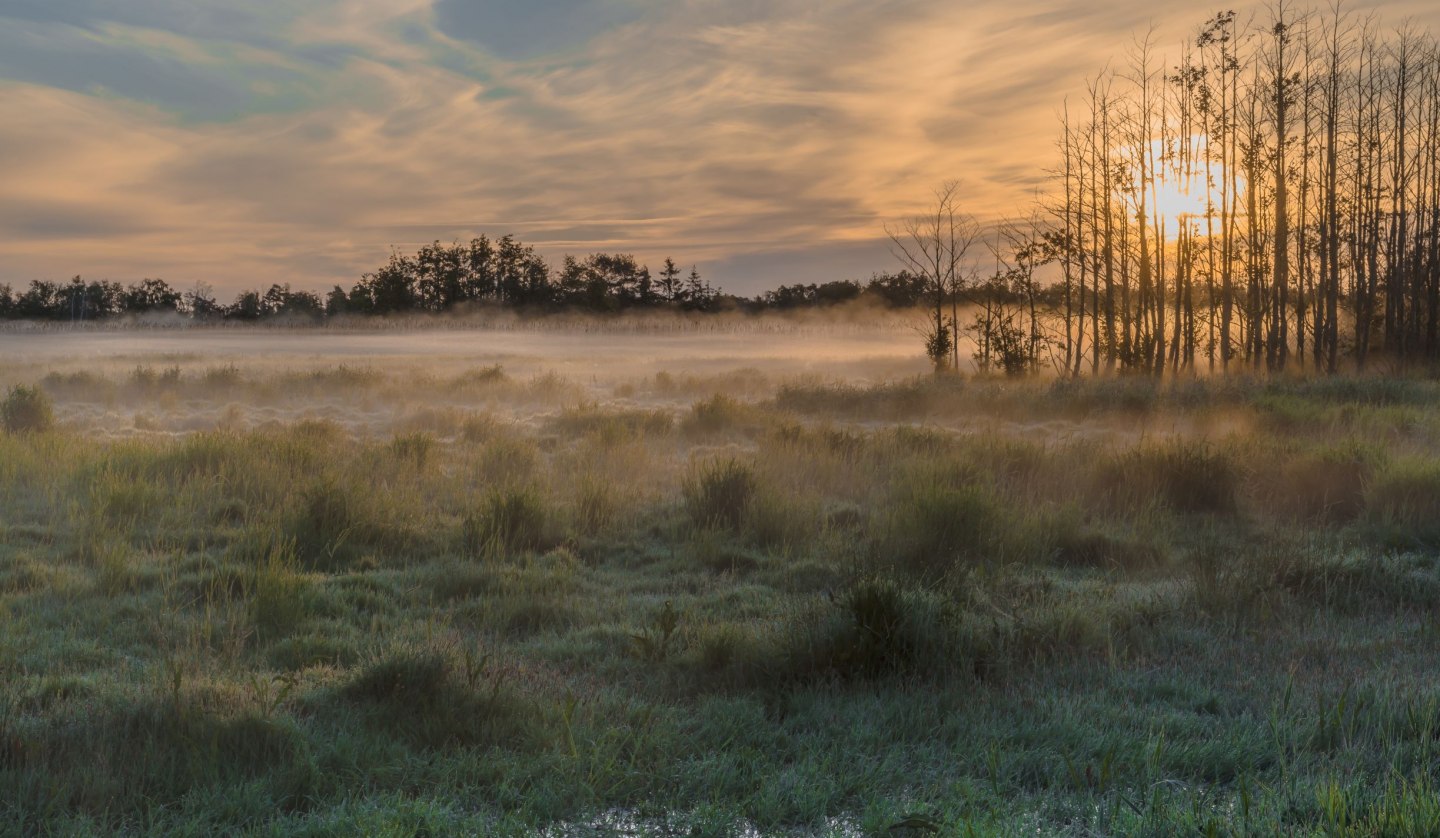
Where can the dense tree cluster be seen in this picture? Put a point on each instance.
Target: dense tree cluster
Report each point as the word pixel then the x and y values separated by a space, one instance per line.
pixel 81 300
pixel 506 273
pixel 440 278
pixel 1272 199
pixel 898 290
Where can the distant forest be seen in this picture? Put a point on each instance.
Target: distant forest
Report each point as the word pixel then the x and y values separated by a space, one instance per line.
pixel 503 273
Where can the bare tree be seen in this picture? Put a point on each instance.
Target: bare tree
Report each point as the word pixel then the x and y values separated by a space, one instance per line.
pixel 933 246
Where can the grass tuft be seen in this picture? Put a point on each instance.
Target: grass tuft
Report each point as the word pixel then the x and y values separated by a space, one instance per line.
pixel 718 493
pixel 507 521
pixel 26 410
pixel 1402 505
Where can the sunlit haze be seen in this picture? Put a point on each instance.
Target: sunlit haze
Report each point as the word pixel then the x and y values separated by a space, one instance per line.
pixel 245 144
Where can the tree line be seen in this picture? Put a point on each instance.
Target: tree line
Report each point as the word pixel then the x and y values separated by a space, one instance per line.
pixel 500 273
pixel 1271 200
pixel 1268 200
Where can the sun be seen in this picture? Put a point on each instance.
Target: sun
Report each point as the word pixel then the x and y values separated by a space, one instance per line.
pixel 1183 194
pixel 1180 199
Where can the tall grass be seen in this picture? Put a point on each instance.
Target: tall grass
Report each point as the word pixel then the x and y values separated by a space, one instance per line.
pixel 719 493
pixel 26 410
pixel 1403 502
pixel 1124 608
pixel 507 520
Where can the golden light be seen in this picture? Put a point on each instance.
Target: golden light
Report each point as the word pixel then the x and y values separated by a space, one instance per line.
pixel 1182 191
pixel 1175 198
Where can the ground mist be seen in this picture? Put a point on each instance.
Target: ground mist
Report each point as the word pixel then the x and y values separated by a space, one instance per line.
pixel 716 600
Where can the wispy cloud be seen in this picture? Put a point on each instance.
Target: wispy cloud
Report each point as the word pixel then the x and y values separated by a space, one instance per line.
pixel 242 144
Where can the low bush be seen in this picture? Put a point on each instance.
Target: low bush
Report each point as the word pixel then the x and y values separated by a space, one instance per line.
pixel 1327 485
pixel 435 698
pixel 876 627
pixel 719 493
pixel 611 425
pixel 1081 547
pixel 715 415
pixel 1181 476
pixel 276 592
pixel 1402 505
pixel 934 524
pixel 416 448
pixel 507 521
pixel 322 526
pixel 26 410
pixel 149 380
pixel 506 459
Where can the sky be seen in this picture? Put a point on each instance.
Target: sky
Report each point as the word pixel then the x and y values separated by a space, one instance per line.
pixel 298 141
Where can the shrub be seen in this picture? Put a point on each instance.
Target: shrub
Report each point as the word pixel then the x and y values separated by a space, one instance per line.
pixel 1327 485
pixel 26 410
pixel 432 699
pixel 479 427
pixel 778 521
pixel 718 494
pixel 331 523
pixel 611 425
pixel 714 415
pixel 402 677
pixel 483 376
pixel 416 447
pixel 934 524
pixel 224 377
pixel 276 592
pixel 596 504
pixel 721 647
pixel 878 627
pixel 147 380
pixel 1075 397
pixel 1403 503
pixel 654 640
pixel 506 459
pixel 1182 476
pixel 1080 547
pixel 508 520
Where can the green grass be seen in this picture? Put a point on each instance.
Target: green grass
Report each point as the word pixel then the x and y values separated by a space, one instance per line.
pixel 816 610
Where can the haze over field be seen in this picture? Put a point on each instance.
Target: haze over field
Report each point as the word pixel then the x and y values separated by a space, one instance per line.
pixel 276 142
pixel 417 457
pixel 111 383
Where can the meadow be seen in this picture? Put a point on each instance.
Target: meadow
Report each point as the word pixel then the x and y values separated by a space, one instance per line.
pixel 778 583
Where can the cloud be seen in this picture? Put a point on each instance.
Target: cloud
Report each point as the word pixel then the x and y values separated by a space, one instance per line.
pixel 524 30
pixel 183 76
pixel 244 144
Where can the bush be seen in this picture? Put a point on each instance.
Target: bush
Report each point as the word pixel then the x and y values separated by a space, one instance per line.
pixel 719 493
pixel 333 523
pixel 505 459
pixel 714 415
pixel 878 627
pixel 1080 547
pixel 277 593
pixel 596 504
pixel 508 520
pixel 416 448
pixel 1403 503
pixel 1182 476
pixel 611 425
pixel 934 524
pixel 26 410
pixel 151 382
pixel 1328 485
pixel 434 700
